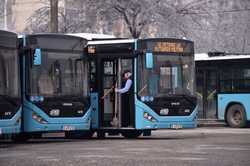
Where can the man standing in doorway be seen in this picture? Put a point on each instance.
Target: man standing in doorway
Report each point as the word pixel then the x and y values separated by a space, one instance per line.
pixel 126 100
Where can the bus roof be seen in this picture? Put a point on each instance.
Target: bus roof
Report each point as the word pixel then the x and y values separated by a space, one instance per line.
pixel 92 36
pixel 206 57
pixel 8 39
pixel 119 41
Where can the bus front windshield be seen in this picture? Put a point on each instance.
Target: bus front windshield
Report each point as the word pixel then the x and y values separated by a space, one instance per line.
pixel 9 75
pixel 170 75
pixel 60 74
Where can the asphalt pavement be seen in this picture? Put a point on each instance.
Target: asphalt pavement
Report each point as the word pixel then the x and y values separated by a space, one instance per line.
pixel 214 146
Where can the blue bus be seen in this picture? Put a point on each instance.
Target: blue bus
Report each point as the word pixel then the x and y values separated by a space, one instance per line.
pixel 10 93
pixel 223 84
pixel 55 89
pixel 163 89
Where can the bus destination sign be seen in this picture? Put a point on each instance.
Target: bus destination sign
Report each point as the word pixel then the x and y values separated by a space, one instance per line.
pixel 168 47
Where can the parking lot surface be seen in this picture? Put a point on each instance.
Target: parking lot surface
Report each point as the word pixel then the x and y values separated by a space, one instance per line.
pixel 202 146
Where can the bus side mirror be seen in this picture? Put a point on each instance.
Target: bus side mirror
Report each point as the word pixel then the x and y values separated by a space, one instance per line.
pixel 149 60
pixel 37 57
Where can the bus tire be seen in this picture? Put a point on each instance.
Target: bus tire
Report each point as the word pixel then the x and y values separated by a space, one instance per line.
pixel 236 116
pixel 131 134
pixel 78 134
pixel 22 137
pixel 37 136
pixel 86 134
pixel 101 134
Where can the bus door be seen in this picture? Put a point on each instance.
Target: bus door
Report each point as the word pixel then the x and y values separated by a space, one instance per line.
pixel 207 93
pixel 109 74
pixel 116 111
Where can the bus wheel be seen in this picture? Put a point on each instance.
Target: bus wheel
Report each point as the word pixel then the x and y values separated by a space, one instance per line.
pixel 23 137
pixel 236 116
pixel 131 134
pixel 86 134
pixel 78 134
pixel 68 135
pixel 101 134
pixel 37 135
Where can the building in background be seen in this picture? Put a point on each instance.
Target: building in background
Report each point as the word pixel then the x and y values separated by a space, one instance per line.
pixel 22 10
pixel 14 13
pixel 6 15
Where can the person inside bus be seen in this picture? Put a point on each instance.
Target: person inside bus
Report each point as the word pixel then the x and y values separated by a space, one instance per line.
pixel 126 99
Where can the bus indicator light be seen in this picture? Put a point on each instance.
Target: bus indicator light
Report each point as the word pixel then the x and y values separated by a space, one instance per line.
pixel 91 49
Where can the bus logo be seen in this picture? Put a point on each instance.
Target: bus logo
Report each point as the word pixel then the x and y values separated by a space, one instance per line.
pixel 175 103
pixel 67 104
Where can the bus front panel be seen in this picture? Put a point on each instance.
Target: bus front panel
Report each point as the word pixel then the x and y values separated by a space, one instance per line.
pixel 56 84
pixel 10 98
pixel 166 92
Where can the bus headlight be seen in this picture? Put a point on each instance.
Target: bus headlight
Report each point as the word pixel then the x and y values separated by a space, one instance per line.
pixel 80 111
pixel 149 117
pixel 38 118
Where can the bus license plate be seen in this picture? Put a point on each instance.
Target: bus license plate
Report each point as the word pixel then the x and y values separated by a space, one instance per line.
pixel 176 126
pixel 68 128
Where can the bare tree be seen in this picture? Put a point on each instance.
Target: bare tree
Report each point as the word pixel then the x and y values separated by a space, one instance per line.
pixel 2 14
pixel 2 8
pixel 221 25
pixel 54 16
pixel 172 18
pixel 40 20
pixel 6 20
pixel 137 15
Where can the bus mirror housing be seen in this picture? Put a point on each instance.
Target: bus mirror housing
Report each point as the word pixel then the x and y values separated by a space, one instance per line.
pixel 37 57
pixel 149 60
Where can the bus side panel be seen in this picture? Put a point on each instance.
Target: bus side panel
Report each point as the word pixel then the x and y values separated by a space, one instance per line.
pixel 225 99
pixel 94 109
pixel 53 124
pixel 162 122
pixel 13 125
